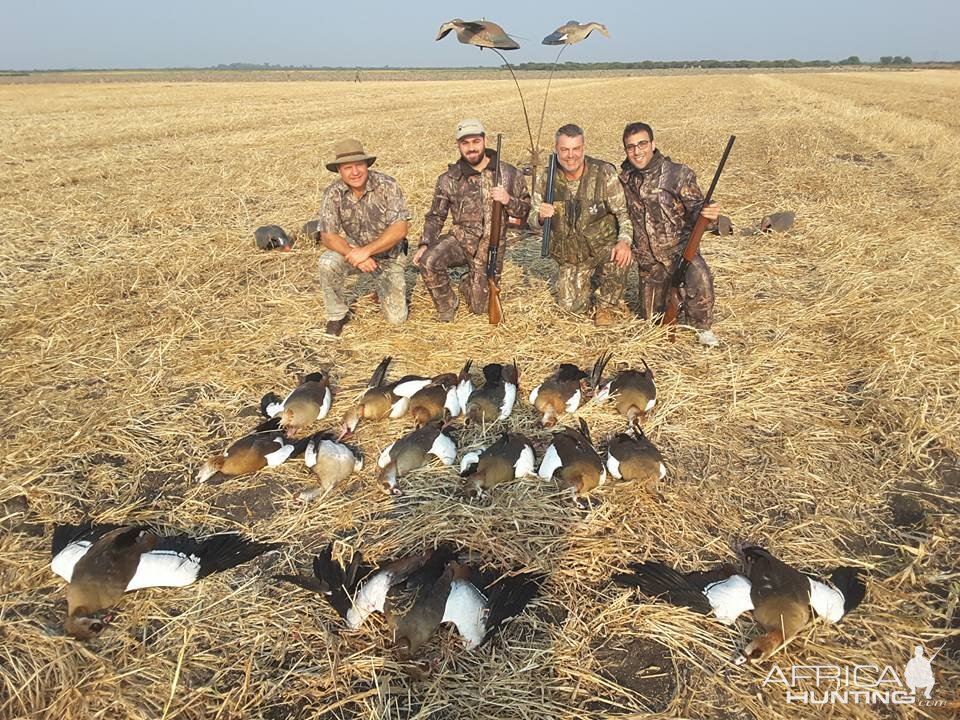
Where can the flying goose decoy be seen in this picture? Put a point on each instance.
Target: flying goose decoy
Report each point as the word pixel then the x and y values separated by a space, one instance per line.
pixel 495 399
pixel 439 397
pixel 633 392
pixel 482 33
pixel 572 459
pixel 510 457
pixel 102 562
pixel 411 452
pixel 331 461
pixel 308 402
pixel 266 446
pixel 782 598
pixel 382 399
pixel 272 237
pixel 573 32
pixel 632 457
pixel 564 391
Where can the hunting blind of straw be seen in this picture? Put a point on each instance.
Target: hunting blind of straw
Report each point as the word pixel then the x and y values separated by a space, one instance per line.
pixel 403 506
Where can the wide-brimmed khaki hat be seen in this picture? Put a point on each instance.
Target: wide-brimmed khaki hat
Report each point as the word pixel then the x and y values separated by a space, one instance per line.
pixel 347 151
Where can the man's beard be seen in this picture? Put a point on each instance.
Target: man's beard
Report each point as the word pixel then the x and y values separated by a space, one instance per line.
pixel 474 163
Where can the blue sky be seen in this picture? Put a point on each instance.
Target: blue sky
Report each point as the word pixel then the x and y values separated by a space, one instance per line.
pixel 127 33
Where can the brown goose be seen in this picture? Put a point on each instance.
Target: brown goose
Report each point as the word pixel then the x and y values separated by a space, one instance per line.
pixel 482 33
pixel 308 402
pixel 382 399
pixel 266 446
pixel 510 457
pixel 572 459
pixel 633 391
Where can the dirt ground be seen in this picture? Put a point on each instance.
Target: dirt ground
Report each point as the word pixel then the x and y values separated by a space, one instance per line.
pixel 140 325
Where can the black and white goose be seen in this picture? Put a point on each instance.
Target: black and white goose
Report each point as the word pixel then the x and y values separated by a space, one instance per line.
pixel 782 598
pixel 308 402
pixel 266 446
pixel 412 451
pixel 495 399
pixel 573 460
pixel 102 562
pixel 632 457
pixel 511 457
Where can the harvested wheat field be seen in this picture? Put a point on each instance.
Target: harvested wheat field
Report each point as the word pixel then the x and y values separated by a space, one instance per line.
pixel 141 326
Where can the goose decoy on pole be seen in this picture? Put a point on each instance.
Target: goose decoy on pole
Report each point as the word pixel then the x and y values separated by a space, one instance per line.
pixel 266 446
pixel 308 402
pixel 494 400
pixel 782 598
pixel 573 32
pixel 331 461
pixel 102 562
pixel 411 452
pixel 573 460
pixel 633 391
pixel 382 399
pixel 482 33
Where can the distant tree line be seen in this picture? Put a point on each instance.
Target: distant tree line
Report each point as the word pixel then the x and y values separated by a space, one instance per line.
pixel 679 64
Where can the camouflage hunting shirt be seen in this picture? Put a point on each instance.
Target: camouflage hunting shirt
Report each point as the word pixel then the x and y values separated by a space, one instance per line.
pixel 463 193
pixel 664 201
pixel 362 220
pixel 590 213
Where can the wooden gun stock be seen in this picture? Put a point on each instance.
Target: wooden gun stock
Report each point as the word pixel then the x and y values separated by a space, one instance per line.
pixel 692 247
pixel 494 308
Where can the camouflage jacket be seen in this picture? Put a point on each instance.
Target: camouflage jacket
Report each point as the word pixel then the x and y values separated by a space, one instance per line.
pixel 590 214
pixel 664 201
pixel 463 193
pixel 362 220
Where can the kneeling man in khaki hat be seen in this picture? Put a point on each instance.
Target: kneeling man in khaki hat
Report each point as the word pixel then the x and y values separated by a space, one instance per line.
pixel 363 224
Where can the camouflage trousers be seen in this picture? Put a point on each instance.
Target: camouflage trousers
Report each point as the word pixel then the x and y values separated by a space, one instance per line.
pixel 448 252
pixel 575 285
pixel 388 280
pixel 696 293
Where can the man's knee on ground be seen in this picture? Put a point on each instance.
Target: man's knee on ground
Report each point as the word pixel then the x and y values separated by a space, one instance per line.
pixel 394 316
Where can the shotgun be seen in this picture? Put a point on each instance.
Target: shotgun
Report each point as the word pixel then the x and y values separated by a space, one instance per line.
pixel 551 174
pixel 692 247
pixel 494 308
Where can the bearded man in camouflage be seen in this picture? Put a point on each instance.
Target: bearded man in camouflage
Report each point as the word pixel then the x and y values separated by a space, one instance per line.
pixel 466 192
pixel 591 232
pixel 363 225
pixel 664 200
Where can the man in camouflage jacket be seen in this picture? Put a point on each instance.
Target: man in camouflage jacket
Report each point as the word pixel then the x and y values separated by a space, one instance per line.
pixel 466 192
pixel 664 200
pixel 590 233
pixel 363 224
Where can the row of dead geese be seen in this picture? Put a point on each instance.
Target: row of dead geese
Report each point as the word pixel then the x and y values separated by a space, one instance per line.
pixel 442 585
pixel 432 403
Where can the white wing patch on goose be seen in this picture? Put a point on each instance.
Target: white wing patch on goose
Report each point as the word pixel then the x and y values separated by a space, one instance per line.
pixel 574 402
pixel 452 403
pixel 509 398
pixel 525 464
pixel 650 404
pixel 464 390
pixel 729 598
pixel 408 388
pixel 613 465
pixel 467 609
pixel 67 558
pixel 551 462
pixel 534 394
pixel 827 602
pixel 371 598
pixel 603 393
pixel 310 454
pixel 663 471
pixel 327 402
pixel 444 448
pixel 274 409
pixel 399 408
pixel 165 568
pixel 384 458
pixel 471 458
pixel 278 457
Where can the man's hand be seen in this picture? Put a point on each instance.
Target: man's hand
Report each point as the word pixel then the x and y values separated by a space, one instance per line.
pixel 356 256
pixel 418 255
pixel 499 194
pixel 368 265
pixel 545 211
pixel 621 254
pixel 711 212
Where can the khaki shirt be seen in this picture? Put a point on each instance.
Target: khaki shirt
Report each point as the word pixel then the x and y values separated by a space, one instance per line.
pixel 362 220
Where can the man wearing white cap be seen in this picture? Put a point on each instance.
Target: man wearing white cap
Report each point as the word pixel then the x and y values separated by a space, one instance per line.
pixel 466 192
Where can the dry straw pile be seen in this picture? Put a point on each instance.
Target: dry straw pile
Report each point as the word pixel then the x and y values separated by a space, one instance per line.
pixel 140 325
